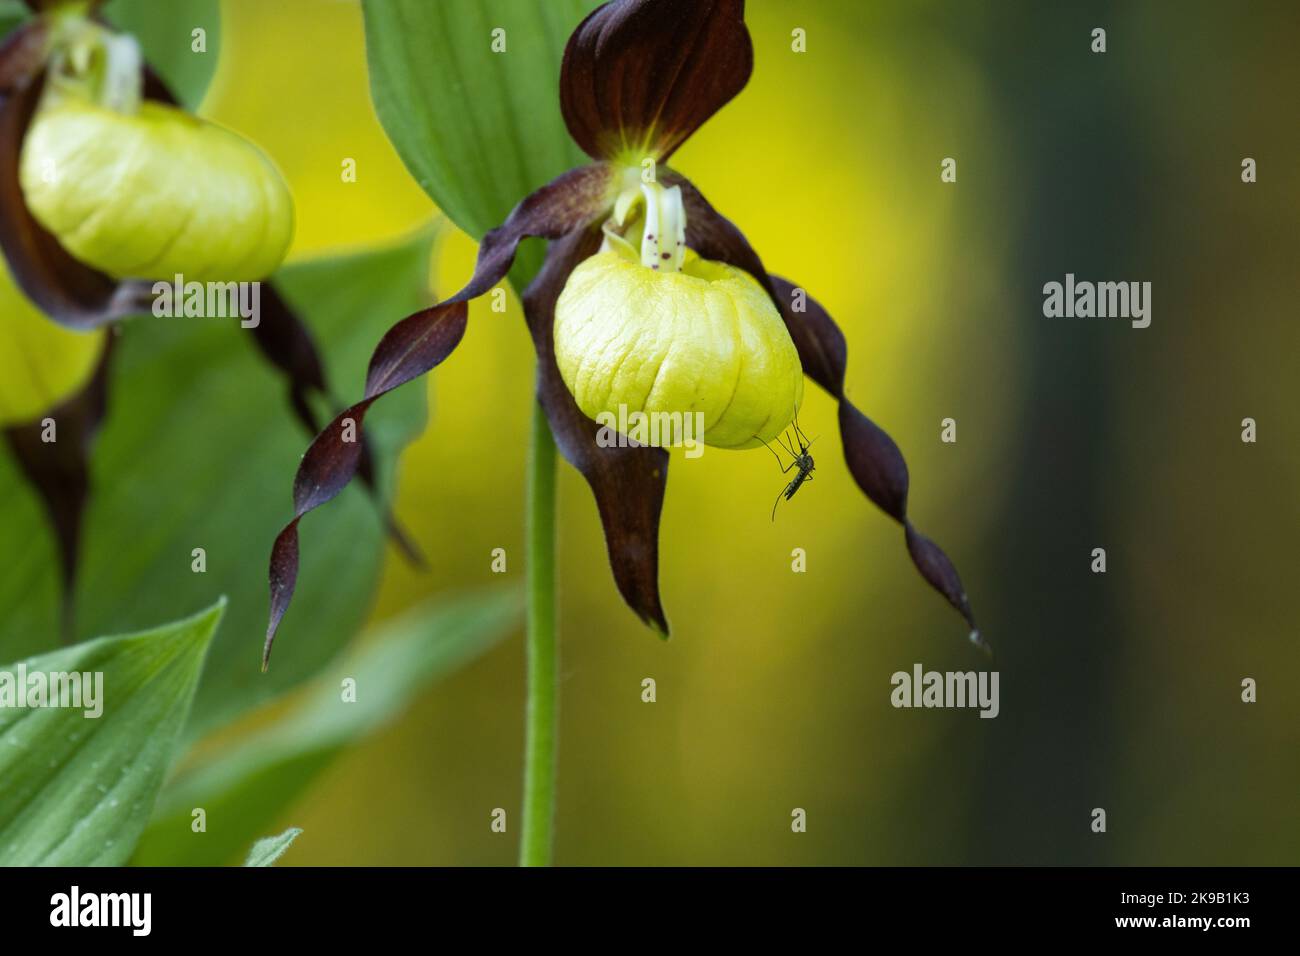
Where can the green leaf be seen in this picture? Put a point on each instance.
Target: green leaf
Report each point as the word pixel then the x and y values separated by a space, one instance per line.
pixel 166 33
pixel 199 451
pixel 78 789
pixel 266 851
pixel 478 130
pixel 247 787
pixel 12 13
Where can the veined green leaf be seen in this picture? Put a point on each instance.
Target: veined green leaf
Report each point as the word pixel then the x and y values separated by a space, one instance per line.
pixel 478 129
pixel 199 452
pixel 266 851
pixel 246 788
pixel 77 789
pixel 167 33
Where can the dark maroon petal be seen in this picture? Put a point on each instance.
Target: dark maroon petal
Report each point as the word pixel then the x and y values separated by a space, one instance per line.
pixel 411 348
pixel 283 338
pixel 416 345
pixel 641 76
pixel 285 341
pixel 60 470
pixel 287 344
pixel 571 201
pixel 872 456
pixel 628 483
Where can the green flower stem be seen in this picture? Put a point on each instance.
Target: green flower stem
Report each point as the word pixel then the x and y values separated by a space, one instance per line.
pixel 540 734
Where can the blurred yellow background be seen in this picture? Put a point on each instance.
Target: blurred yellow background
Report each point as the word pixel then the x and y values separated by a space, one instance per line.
pixel 773 692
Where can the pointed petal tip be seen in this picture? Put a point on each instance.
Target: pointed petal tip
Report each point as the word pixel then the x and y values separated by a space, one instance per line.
pixel 659 625
pixel 266 647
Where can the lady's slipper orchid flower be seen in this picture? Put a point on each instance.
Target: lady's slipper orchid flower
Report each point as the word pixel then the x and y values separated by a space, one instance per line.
pixel 119 190
pixel 107 186
pixel 649 299
pixel 669 332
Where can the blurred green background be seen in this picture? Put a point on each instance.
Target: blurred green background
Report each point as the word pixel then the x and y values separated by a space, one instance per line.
pixel 1118 691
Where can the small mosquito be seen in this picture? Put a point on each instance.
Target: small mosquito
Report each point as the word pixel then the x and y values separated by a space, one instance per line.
pixel 802 461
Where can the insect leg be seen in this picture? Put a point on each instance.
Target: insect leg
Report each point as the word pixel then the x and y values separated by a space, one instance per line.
pixel 799 432
pixel 778 501
pixel 784 468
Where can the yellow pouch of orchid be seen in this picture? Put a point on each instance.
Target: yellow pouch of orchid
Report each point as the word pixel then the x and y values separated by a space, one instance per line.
pixel 694 336
pixel 154 193
pixel 41 363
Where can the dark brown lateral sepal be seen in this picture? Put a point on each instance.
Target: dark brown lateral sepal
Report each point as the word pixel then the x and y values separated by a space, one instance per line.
pixel 628 483
pixel 60 470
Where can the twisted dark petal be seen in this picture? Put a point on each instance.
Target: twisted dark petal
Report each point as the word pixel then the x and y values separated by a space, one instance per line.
pixel 646 74
pixel 872 456
pixel 628 483
pixel 283 338
pixel 286 342
pixel 418 344
pixel 60 470
pixel 411 348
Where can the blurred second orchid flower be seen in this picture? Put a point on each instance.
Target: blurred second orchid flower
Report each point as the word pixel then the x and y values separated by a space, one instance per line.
pixel 649 299
pixel 106 185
